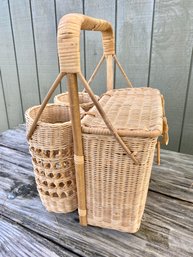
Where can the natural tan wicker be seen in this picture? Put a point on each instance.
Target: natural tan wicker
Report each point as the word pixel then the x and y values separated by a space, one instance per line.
pixel 116 188
pixel 118 135
pixel 84 100
pixel 51 148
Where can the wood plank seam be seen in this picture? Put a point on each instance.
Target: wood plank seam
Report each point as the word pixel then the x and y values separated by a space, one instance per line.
pixel 3 91
pixel 186 100
pixel 151 44
pixel 34 233
pixel 15 55
pixel 35 53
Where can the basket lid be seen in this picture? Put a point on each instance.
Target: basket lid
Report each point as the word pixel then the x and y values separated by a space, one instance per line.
pixel 132 111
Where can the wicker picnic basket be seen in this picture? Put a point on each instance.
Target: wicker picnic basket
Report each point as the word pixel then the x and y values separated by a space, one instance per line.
pixel 51 148
pixel 114 143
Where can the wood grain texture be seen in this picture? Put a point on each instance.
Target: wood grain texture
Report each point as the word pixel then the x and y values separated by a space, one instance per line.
pixel 18 241
pixel 167 225
pixel 44 23
pixel 93 42
pixel 134 23
pixel 4 120
pixel 8 67
pixel 174 177
pixel 171 52
pixel 187 133
pixel 65 7
pixel 10 139
pixel 22 30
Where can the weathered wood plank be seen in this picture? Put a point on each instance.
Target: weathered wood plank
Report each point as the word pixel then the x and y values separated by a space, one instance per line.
pixel 15 139
pixel 166 222
pixel 171 52
pixel 44 23
pixel 187 133
pixel 93 42
pixel 9 68
pixel 20 242
pixel 4 120
pixel 134 24
pixel 174 177
pixel 23 35
pixel 65 7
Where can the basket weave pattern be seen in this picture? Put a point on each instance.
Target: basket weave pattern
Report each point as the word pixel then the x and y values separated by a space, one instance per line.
pixel 116 189
pixel 51 149
pixel 118 135
pixel 84 100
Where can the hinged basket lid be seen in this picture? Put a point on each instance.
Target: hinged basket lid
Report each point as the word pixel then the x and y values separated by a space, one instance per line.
pixel 132 111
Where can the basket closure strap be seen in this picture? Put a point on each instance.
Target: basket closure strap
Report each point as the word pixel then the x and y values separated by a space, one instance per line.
pixel 165 135
pixel 106 120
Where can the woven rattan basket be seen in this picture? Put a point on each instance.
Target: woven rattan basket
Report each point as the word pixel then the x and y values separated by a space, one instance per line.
pixel 116 187
pixel 51 148
pixel 84 100
pixel 114 143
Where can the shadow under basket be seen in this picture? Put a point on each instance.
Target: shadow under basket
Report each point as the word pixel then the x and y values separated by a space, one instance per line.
pixel 51 148
pixel 84 100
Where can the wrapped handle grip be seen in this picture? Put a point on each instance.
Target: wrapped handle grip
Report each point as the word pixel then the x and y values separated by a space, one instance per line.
pixel 69 29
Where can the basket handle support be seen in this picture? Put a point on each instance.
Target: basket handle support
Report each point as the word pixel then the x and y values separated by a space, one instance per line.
pixel 78 148
pixel 106 120
pixel 68 41
pixel 45 101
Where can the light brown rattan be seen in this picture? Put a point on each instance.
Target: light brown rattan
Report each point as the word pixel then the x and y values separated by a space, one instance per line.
pixel 116 188
pixel 51 148
pixel 84 100
pixel 132 112
pixel 69 39
pixel 119 145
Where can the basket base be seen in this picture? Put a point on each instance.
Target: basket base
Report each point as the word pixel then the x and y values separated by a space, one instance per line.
pixel 129 229
pixel 59 206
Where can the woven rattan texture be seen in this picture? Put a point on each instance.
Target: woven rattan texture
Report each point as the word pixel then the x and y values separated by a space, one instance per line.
pixel 84 100
pixel 51 148
pixel 116 188
pixel 132 111
pixel 69 39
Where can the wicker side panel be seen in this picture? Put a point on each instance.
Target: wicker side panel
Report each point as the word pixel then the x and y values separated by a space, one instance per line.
pixel 116 188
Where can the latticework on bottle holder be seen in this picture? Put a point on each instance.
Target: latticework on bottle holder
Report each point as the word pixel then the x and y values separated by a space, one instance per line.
pixel 51 148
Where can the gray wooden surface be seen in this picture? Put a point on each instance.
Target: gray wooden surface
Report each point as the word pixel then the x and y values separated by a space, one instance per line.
pixel 153 42
pixel 27 229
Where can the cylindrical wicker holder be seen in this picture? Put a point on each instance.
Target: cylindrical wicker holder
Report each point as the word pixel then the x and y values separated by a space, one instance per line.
pixel 51 148
pixel 84 99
